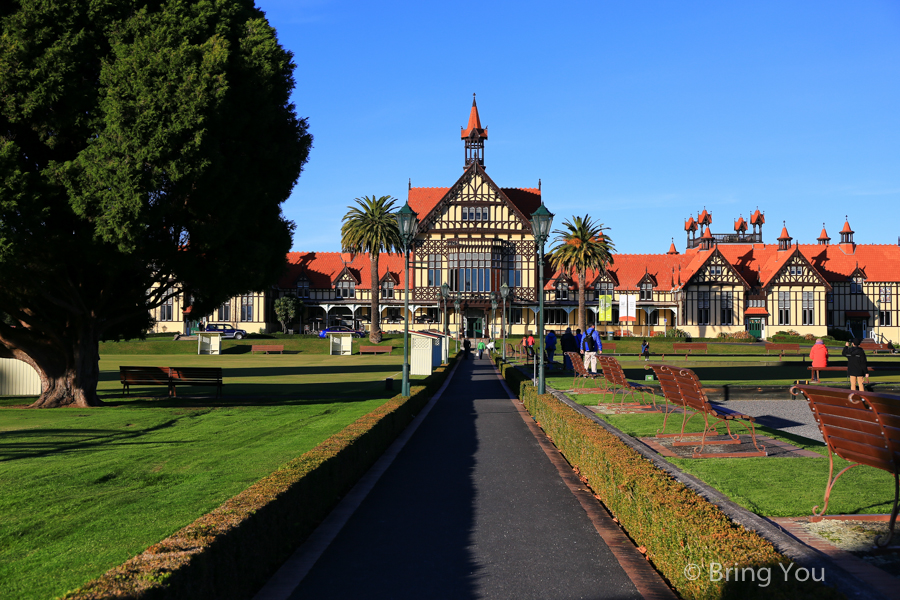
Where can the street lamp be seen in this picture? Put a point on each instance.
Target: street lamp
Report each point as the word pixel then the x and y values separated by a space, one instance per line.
pixel 458 320
pixel 407 223
pixel 504 293
pixel 445 294
pixel 493 313
pixel 540 227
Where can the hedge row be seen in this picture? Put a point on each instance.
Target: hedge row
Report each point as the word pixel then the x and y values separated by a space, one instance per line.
pixel 675 525
pixel 233 550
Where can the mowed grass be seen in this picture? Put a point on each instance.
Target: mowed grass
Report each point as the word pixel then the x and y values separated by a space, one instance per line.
pixel 775 487
pixel 82 490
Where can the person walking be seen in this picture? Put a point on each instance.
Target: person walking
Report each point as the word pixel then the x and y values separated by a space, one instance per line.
pixel 591 346
pixel 578 339
pixel 481 347
pixel 645 350
pixel 467 348
pixel 568 343
pixel 819 357
pixel 550 345
pixel 491 347
pixel 857 365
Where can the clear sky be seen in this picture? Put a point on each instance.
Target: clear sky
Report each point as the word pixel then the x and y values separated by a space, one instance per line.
pixel 636 113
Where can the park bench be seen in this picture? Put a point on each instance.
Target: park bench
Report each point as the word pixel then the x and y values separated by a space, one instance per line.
pixel 201 376
pixel 530 356
pixel 270 348
pixel 683 389
pixel 582 374
pixel 687 348
pixel 863 428
pixel 143 376
pixel 376 349
pixel 875 347
pixel 609 347
pixel 782 348
pixel 512 351
pixel 816 370
pixel 614 375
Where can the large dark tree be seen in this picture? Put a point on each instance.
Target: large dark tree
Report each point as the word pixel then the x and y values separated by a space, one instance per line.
pixel 145 147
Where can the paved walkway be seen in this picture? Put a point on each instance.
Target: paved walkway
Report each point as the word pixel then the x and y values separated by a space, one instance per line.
pixel 470 508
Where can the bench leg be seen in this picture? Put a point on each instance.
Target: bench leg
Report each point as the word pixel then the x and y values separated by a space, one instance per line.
pixel 883 541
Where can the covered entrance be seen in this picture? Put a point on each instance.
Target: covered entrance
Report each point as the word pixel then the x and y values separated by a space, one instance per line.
pixel 755 327
pixel 858 328
pixel 474 327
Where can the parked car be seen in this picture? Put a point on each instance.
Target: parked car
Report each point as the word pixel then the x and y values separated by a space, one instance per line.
pixel 341 329
pixel 226 330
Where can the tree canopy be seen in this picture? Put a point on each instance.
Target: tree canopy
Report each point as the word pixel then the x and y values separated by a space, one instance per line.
pixel 143 145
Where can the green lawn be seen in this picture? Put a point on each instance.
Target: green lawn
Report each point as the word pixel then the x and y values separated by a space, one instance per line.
pixel 776 487
pixel 82 490
pixel 293 344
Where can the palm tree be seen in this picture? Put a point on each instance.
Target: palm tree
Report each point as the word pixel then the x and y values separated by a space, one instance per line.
pixel 371 227
pixel 580 247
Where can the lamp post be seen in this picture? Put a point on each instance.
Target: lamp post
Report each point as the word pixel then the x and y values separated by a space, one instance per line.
pixel 540 227
pixel 445 294
pixel 407 223
pixel 458 320
pixel 504 293
pixel 493 313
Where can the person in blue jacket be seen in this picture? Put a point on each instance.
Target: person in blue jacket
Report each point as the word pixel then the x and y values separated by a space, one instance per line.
pixel 550 345
pixel 591 346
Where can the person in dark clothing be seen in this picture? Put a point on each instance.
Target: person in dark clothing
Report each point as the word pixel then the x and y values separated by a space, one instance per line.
pixel 568 343
pixel 857 365
pixel 467 348
pixel 645 350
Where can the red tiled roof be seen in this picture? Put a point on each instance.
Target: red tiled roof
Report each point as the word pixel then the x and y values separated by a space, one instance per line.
pixel 474 123
pixel 740 224
pixel 756 310
pixel 704 218
pixel 672 249
pixel 706 235
pixel 322 267
pixel 784 234
pixel 846 228
pixel 757 218
pixel 824 234
pixel 423 200
pixel 690 225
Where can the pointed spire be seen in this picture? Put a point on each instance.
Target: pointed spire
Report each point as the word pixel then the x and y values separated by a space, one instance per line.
pixel 823 237
pixel 672 250
pixel 784 232
pixel 846 232
pixel 474 125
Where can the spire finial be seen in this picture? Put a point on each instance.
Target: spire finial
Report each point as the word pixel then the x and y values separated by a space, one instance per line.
pixel 410 183
pixel 539 184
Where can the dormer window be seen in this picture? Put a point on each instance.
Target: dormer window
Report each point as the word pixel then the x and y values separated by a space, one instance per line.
pixel 562 291
pixel 647 291
pixel 856 285
pixel 303 287
pixel 387 289
pixel 345 289
pixel 715 270
pixel 795 270
pixel 604 288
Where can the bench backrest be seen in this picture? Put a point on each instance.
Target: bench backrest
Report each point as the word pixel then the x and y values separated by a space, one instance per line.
pixel 691 390
pixel 873 346
pixel 667 382
pixel 577 363
pixel 861 427
pixel 774 346
pixel 196 372
pixel 612 370
pixel 160 374
pixel 688 346
pixel 609 346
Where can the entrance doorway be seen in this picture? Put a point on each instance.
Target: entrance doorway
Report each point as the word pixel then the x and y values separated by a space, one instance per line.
pixel 475 327
pixel 755 327
pixel 858 328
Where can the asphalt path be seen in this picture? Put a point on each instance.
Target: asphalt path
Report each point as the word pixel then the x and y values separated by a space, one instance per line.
pixel 470 508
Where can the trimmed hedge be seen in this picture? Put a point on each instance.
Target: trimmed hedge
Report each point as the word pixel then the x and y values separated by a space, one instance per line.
pixel 233 550
pixel 673 524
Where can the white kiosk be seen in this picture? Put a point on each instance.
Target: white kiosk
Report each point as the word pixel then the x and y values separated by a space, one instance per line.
pixel 209 342
pixel 340 343
pixel 426 352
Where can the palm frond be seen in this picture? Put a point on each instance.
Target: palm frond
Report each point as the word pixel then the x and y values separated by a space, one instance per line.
pixel 370 226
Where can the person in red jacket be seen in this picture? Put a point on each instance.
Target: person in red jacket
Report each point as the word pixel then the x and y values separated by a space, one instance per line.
pixel 819 357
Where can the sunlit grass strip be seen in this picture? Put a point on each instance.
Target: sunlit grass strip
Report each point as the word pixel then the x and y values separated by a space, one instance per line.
pixel 232 550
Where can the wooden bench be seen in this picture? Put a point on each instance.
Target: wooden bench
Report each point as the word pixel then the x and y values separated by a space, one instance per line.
pixel 614 375
pixel 143 376
pixel 582 374
pixel 687 348
pixel 816 370
pixel 512 351
pixel 863 428
pixel 875 347
pixel 782 348
pixel 608 348
pixel 530 356
pixel 202 376
pixel 376 349
pixel 270 348
pixel 682 388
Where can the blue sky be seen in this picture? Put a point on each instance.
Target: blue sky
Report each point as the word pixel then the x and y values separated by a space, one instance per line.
pixel 636 113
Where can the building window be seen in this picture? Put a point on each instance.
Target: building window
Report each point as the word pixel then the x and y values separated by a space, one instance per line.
pixel 246 308
pixel 784 308
pixel 562 291
pixel 515 316
pixel 555 316
pixel 702 308
pixel 795 270
pixel 225 312
pixel 434 270
pixel 884 318
pixel 433 315
pixel 727 308
pixel 345 289
pixel 167 309
pixel 514 270
pixel 807 308
pixel 474 271
pixel 884 295
pixel 856 285
pixel 646 291
pixel 302 288
pixel 393 315
pixel 715 270
pixel 387 289
pixel 829 297
pixel 604 288
pixel 653 318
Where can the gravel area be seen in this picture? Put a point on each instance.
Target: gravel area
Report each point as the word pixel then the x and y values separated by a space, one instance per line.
pixel 791 416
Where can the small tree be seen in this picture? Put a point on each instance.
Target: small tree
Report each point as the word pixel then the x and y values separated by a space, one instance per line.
pixel 286 309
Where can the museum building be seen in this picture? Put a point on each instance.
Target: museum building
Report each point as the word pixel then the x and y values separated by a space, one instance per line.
pixel 476 236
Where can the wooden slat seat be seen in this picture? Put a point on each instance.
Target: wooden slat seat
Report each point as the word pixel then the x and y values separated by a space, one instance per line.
pixel 267 348
pixel 144 376
pixel 782 348
pixel 683 388
pixel 687 348
pixel 875 347
pixel 376 349
pixel 615 376
pixel 863 428
pixel 582 375
pixel 202 376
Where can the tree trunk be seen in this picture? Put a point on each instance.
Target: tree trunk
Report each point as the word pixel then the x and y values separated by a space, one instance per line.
pixel 581 293
pixel 69 376
pixel 374 310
